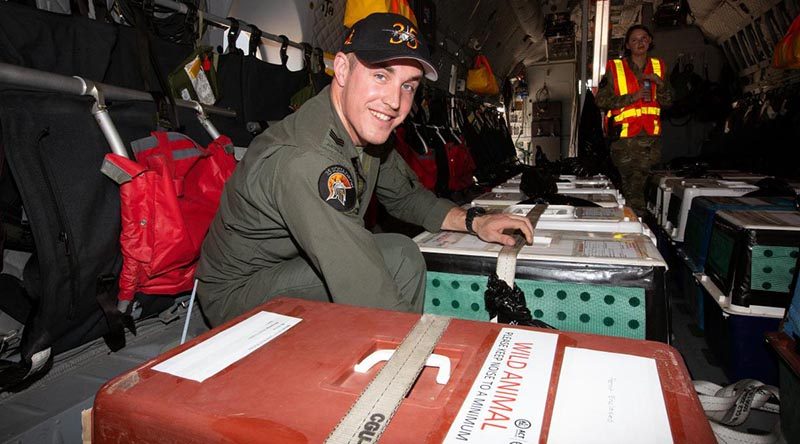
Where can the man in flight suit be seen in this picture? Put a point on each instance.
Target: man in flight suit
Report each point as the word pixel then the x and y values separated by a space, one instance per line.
pixel 290 221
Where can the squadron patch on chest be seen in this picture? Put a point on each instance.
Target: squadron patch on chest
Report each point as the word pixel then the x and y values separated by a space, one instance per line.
pixel 337 188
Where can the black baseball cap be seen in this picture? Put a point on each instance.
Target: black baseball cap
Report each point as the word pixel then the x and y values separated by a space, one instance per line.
pixel 381 37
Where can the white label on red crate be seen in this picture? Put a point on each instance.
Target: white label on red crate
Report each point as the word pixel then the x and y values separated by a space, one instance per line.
pixel 608 398
pixel 507 400
pixel 216 353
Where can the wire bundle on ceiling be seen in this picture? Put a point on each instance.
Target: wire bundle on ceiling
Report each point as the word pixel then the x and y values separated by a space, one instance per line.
pixel 164 22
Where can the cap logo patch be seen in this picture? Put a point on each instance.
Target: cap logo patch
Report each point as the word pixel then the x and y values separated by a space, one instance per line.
pixel 349 39
pixel 336 188
pixel 400 35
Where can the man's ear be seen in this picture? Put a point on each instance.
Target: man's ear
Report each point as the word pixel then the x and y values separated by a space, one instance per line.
pixel 341 68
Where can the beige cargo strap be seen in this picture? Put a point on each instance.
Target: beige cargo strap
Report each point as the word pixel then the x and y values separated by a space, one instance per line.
pixel 507 259
pixel 369 416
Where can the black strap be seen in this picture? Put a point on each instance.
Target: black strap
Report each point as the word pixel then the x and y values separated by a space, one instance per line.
pixel 233 34
pixel 190 21
pixel 106 294
pixel 101 11
pixel 320 59
pixel 166 115
pixel 307 51
pixel 255 40
pixel 148 63
pixel 79 7
pixel 284 46
pixel 14 375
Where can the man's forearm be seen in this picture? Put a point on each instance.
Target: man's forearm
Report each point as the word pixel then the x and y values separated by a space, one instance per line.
pixel 455 220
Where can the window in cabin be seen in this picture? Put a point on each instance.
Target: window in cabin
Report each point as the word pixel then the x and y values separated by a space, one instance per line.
pixel 763 37
pixel 771 27
pixel 731 55
pixel 792 8
pixel 746 50
pixel 756 46
pixel 738 53
pixel 784 19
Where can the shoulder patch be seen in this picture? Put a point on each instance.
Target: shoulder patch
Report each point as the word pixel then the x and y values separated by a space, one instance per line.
pixel 337 188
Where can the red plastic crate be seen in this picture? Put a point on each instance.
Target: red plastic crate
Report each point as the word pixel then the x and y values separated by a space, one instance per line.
pixel 296 388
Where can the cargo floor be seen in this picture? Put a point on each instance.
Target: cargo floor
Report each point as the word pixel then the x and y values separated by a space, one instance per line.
pixel 49 411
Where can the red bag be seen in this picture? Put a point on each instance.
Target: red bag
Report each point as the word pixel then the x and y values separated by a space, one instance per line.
pixel 424 165
pixel 169 196
pixel 462 166
pixel 787 51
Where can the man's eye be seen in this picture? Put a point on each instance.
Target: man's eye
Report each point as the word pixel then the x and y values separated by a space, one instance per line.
pixel 409 87
pixel 380 77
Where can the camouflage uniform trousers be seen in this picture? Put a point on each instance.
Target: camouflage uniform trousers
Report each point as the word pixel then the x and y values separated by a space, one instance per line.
pixel 633 157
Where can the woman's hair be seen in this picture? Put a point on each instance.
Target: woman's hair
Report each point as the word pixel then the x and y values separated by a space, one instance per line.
pixel 628 36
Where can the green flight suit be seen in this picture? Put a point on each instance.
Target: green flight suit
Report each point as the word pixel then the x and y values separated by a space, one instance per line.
pixel 633 156
pixel 290 222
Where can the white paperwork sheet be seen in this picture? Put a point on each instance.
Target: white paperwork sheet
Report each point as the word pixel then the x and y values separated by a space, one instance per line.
pixel 506 403
pixel 213 355
pixel 608 398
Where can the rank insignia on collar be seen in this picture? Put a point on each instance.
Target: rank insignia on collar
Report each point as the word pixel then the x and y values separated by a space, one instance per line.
pixel 336 188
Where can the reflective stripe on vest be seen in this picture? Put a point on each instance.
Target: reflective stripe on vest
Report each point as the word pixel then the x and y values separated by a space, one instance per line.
pixel 637 112
pixel 622 81
pixel 656 67
pixel 624 133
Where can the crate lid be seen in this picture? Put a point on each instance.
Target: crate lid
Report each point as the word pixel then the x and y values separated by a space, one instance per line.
pixel 763 220
pixel 551 245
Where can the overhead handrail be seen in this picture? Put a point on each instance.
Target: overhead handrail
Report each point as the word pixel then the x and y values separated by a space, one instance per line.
pixel 46 81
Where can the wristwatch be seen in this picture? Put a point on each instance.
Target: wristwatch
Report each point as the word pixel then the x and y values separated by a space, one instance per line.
pixel 472 213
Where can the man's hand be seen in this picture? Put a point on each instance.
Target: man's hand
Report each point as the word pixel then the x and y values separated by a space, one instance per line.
pixel 490 228
pixel 636 96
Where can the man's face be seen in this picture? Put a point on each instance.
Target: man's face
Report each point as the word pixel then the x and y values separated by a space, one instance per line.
pixel 377 98
pixel 638 42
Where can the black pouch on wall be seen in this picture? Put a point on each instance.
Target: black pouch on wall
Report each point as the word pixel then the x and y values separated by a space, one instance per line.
pixel 56 43
pixel 123 70
pixel 268 89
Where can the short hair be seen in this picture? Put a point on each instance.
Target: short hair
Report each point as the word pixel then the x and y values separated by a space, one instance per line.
pixel 351 60
pixel 628 33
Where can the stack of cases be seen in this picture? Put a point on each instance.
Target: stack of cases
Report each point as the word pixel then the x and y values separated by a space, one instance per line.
pixel 597 189
pixel 655 186
pixel 604 200
pixel 676 207
pixel 577 188
pixel 752 260
pixel 697 237
pixel 609 283
pixel 677 195
pixel 595 180
pixel 591 219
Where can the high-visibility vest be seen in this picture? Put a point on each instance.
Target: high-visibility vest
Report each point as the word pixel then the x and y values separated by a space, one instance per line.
pixel 639 115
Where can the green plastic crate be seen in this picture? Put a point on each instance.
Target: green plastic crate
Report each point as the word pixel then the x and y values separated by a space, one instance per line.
pixel 605 310
pixel 772 268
